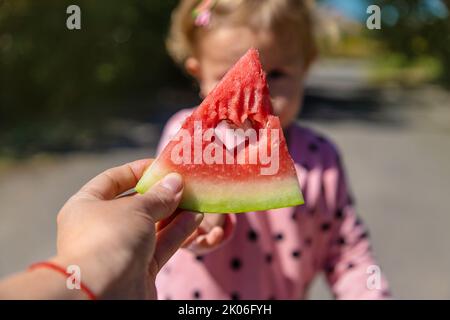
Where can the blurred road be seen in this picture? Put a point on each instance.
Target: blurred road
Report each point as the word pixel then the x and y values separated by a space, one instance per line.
pixel 396 147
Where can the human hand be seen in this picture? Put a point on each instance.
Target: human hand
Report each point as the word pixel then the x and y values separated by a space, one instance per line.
pixel 208 235
pixel 115 240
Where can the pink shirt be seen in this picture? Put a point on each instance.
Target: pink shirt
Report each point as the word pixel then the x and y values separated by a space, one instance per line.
pixel 277 253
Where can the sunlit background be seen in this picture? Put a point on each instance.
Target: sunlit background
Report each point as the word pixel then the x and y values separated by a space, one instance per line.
pixel 73 103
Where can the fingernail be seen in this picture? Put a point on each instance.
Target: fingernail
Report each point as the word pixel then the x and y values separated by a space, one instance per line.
pixel 198 217
pixel 173 182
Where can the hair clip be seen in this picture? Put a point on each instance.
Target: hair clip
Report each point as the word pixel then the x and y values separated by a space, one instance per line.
pixel 202 12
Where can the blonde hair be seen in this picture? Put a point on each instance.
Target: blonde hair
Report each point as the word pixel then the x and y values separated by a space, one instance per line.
pixel 288 18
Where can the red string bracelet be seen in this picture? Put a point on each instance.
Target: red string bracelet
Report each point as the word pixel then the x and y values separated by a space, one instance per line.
pixel 61 270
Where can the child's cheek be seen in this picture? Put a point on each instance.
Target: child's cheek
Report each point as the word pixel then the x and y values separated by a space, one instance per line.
pixel 286 109
pixel 287 104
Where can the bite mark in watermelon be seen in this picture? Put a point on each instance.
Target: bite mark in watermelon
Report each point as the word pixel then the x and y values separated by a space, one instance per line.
pixel 240 101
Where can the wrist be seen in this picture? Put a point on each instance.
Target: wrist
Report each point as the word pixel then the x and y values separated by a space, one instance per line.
pixel 85 271
pixel 38 284
pixel 107 275
pixel 51 281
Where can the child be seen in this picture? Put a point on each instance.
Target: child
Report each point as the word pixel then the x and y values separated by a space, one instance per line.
pixel 274 254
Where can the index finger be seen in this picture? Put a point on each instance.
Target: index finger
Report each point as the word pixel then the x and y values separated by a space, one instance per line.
pixel 112 182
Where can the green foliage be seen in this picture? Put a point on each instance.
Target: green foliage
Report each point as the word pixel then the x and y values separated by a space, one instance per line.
pixel 395 68
pixel 417 30
pixel 55 82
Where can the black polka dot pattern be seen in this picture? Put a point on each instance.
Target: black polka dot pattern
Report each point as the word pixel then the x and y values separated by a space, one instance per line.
pixel 313 147
pixel 252 235
pixel 294 216
pixel 350 265
pixel 235 296
pixel 197 294
pixel 236 264
pixel 386 294
pixel 199 258
pixel 339 214
pixel 340 241
pixel 329 269
pixel 350 201
pixel 306 166
pixel 325 226
pixel 279 236
pixel 308 241
pixel 321 139
pixel 268 258
pixel 296 254
pixel 364 235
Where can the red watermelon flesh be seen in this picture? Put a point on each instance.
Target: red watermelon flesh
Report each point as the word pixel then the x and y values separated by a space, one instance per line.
pixel 254 172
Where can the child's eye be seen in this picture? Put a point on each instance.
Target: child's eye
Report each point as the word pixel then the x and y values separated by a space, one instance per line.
pixel 275 74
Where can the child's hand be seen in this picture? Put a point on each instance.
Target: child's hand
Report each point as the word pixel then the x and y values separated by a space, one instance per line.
pixel 209 234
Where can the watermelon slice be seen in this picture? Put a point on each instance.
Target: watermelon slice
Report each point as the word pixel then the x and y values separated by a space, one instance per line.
pixel 231 150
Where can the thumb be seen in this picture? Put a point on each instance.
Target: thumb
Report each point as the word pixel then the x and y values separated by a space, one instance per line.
pixel 161 200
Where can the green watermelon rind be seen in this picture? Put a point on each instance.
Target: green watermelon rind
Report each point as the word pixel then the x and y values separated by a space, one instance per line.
pixel 240 206
pixel 272 195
